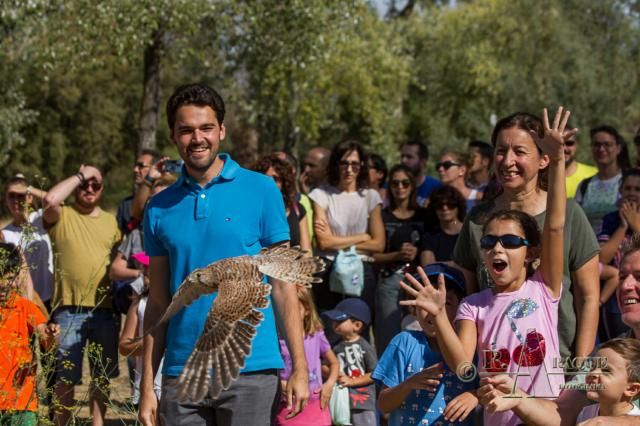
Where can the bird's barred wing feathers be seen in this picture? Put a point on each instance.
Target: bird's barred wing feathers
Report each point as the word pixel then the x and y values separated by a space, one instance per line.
pixel 289 264
pixel 226 339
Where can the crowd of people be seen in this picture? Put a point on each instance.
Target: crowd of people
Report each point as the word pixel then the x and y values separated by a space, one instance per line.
pixel 518 264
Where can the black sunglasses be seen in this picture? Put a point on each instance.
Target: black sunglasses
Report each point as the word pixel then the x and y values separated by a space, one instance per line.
pixel 405 183
pixel 355 165
pixel 16 196
pixel 508 241
pixel 446 164
pixel 570 143
pixel 95 186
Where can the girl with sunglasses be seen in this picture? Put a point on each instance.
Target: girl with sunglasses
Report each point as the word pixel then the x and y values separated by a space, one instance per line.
pixel 511 327
pixel 453 168
pixel 521 170
pixel 404 225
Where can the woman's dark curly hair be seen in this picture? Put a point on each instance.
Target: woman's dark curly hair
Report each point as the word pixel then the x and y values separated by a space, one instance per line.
pixel 529 123
pixel 340 150
pixel 284 172
pixel 448 195
pixel 528 225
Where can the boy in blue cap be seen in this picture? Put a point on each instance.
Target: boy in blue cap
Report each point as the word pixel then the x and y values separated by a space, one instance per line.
pixel 417 387
pixel 357 358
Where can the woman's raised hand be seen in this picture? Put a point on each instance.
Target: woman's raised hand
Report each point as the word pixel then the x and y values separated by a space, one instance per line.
pixel 552 143
pixel 424 295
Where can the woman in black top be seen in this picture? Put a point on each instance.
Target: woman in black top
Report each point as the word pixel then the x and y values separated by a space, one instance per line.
pixel 404 224
pixel 450 207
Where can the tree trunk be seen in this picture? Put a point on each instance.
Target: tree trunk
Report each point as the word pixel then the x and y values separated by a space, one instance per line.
pixel 150 109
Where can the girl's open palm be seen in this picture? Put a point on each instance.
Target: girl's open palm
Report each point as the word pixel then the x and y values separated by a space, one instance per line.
pixel 424 295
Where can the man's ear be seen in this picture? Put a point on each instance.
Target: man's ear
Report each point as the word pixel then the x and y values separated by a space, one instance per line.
pixel 359 325
pixel 223 131
pixel 632 390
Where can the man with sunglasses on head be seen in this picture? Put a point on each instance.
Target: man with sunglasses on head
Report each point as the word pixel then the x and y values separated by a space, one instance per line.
pixel 84 237
pixel 575 171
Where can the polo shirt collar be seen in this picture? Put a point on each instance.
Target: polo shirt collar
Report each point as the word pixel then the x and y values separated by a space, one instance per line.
pixel 229 171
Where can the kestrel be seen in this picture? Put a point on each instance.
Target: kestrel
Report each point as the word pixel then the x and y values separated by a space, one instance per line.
pixel 231 323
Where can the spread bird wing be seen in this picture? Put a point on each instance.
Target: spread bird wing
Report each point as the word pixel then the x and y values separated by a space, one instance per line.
pixel 226 339
pixel 289 264
pixel 198 283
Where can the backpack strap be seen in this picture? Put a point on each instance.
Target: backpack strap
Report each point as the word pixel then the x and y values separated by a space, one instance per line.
pixel 582 188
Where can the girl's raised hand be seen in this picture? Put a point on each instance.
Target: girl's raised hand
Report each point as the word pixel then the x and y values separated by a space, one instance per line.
pixel 552 143
pixel 425 296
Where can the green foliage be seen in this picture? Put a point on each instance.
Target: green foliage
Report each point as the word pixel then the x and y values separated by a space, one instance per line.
pixel 304 73
pixel 490 58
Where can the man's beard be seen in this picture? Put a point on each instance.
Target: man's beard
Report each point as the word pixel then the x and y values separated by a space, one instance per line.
pixel 201 167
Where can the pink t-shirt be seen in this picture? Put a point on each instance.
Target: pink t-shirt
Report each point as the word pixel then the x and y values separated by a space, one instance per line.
pixel 315 346
pixel 507 323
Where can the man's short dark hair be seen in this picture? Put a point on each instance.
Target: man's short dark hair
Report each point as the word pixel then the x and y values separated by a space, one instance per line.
pixel 484 148
pixel 155 155
pixel 194 94
pixel 423 150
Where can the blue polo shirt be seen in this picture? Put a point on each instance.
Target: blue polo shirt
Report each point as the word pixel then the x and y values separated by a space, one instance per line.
pixel 239 212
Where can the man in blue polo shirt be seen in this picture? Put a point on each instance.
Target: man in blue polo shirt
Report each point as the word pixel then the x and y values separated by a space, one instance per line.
pixel 216 210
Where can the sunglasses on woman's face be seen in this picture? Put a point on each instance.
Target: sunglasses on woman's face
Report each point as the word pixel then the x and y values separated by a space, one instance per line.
pixel 355 165
pixel 446 164
pixel 447 204
pixel 396 183
pixel 508 241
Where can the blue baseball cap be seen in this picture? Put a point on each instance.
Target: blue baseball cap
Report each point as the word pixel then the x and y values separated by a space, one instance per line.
pixel 453 276
pixel 350 308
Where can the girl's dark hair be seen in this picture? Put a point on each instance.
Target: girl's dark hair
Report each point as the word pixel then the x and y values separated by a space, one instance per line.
pixel 527 122
pixel 448 195
pixel 528 225
pixel 623 158
pixel 340 150
pixel 10 261
pixel 284 172
pixel 630 172
pixel 413 203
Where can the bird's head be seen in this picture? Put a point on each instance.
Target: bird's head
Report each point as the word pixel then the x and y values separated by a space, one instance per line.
pixel 199 276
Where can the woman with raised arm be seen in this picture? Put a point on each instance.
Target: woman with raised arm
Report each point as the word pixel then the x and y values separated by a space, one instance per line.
pixel 521 169
pixel 513 326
